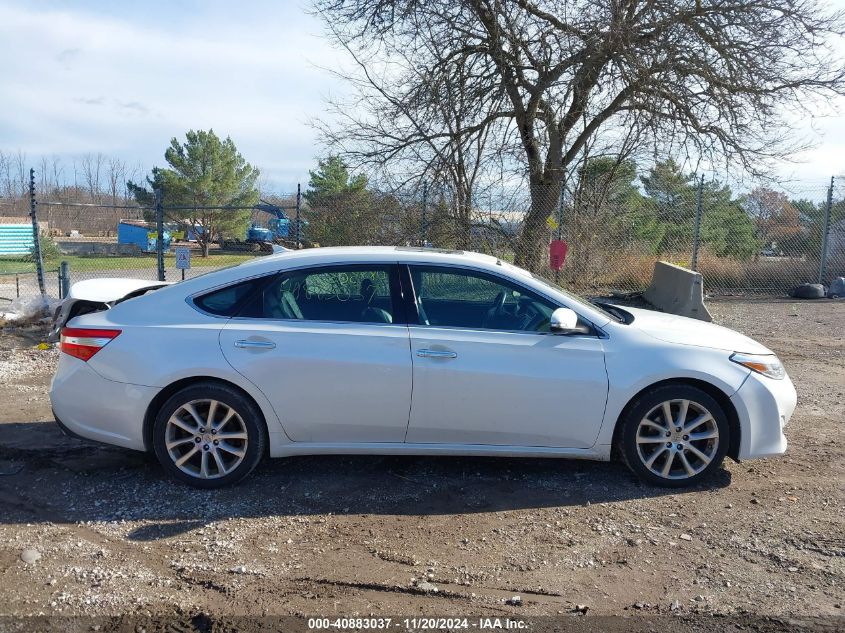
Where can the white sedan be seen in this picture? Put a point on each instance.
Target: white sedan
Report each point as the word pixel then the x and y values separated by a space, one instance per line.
pixel 407 351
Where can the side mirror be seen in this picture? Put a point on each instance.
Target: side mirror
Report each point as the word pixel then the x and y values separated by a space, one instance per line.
pixel 564 321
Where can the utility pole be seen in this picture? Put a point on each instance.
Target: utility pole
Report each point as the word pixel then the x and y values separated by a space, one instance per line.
pixel 560 223
pixel 697 236
pixel 36 234
pixel 560 210
pixel 825 232
pixel 160 233
pixel 424 221
pixel 298 218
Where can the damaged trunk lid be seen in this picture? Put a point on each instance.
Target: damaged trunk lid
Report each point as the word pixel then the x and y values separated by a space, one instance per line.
pixel 96 295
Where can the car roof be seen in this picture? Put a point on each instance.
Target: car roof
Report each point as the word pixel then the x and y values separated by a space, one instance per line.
pixel 350 254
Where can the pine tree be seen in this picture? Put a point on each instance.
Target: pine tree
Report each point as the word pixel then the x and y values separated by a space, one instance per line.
pixel 204 171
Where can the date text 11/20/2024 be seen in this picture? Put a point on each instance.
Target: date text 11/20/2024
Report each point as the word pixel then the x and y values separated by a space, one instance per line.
pixel 417 624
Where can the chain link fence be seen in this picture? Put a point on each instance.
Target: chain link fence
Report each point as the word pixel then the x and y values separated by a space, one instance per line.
pixel 764 242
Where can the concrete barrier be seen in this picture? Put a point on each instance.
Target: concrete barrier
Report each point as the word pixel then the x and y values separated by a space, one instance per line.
pixel 98 248
pixel 677 290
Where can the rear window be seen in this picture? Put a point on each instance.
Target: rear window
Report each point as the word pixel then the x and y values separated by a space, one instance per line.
pixel 227 301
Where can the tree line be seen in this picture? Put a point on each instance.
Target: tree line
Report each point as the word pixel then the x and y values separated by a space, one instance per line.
pixel 611 205
pixel 463 93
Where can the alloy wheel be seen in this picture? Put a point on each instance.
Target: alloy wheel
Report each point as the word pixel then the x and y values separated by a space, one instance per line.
pixel 677 439
pixel 206 439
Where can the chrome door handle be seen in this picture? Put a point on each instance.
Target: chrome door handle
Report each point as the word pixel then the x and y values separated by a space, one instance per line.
pixel 255 344
pixel 436 353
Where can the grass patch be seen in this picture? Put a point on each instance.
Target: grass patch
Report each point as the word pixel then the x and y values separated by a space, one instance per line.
pixel 11 265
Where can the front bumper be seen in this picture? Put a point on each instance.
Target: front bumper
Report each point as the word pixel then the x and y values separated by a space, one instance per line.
pixel 764 407
pixel 98 409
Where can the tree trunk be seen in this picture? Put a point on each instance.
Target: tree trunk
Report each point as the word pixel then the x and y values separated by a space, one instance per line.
pixel 464 237
pixel 533 240
pixel 463 219
pixel 205 246
pixel 463 230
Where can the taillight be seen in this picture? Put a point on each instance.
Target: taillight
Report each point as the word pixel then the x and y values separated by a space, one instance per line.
pixel 83 343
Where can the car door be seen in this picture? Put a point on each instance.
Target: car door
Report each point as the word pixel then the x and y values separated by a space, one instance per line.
pixel 487 370
pixel 329 348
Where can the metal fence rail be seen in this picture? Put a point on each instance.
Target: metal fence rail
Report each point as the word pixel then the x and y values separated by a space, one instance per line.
pixel 764 242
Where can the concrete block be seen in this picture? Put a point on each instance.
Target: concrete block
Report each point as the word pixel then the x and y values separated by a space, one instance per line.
pixel 677 290
pixel 93 248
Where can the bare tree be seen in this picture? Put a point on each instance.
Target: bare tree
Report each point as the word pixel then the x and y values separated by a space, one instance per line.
pixel 92 166
pixel 20 174
pixel 717 78
pixel 116 176
pixel 5 176
pixel 408 123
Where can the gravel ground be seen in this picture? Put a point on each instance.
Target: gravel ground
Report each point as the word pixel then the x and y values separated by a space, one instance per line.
pixel 106 534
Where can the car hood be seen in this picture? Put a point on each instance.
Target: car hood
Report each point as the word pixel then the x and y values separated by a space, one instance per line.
pixel 685 331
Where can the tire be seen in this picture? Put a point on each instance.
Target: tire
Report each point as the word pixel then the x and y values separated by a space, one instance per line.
pixel 233 443
pixel 696 451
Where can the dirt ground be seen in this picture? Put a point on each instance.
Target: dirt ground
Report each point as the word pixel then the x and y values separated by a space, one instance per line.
pixel 763 544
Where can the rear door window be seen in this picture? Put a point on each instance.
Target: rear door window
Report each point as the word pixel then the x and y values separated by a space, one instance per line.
pixel 356 294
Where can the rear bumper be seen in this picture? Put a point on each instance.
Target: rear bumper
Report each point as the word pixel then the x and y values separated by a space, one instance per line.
pixel 87 405
pixel 764 407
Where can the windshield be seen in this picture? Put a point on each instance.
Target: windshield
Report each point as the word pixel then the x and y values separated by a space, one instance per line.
pixel 594 306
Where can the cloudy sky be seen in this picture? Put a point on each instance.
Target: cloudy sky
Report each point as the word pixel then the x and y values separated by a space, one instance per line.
pixel 123 78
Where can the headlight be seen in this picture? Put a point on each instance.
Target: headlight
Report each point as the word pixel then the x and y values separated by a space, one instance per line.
pixel 766 364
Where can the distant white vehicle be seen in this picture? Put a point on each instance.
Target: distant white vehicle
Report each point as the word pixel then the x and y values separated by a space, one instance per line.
pixel 406 351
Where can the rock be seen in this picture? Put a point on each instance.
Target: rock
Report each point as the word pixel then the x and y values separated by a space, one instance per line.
pixel 30 556
pixel 685 537
pixel 837 288
pixel 699 598
pixel 427 587
pixel 639 605
pixel 515 601
pixel 755 501
pixel 240 569
pixel 581 608
pixel 675 606
pixel 808 291
pixel 792 569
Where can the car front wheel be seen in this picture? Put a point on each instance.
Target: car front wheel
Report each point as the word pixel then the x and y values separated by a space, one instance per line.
pixel 209 435
pixel 674 436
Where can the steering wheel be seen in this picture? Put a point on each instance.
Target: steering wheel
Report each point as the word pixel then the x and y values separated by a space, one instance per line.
pixel 498 305
pixel 496 312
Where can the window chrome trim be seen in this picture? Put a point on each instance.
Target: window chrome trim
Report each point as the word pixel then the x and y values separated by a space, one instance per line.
pixel 601 333
pixel 318 321
pixel 190 298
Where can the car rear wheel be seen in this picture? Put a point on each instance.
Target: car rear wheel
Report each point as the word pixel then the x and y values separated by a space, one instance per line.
pixel 209 435
pixel 674 436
